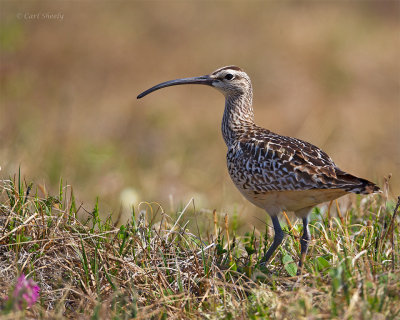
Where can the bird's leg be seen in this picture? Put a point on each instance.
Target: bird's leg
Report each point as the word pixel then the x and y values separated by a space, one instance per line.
pixel 278 238
pixel 304 242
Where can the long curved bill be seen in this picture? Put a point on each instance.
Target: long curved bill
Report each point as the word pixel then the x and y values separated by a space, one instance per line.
pixel 207 80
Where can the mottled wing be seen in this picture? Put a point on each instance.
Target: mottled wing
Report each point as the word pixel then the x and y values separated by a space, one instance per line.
pixel 270 162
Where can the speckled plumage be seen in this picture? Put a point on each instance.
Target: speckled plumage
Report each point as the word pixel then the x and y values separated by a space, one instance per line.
pixel 273 172
pixel 276 172
pixel 261 162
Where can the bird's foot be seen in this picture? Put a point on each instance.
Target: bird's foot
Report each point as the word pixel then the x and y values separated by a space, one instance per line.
pixel 299 271
pixel 301 264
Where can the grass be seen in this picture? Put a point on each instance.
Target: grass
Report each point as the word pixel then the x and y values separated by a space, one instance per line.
pixel 153 267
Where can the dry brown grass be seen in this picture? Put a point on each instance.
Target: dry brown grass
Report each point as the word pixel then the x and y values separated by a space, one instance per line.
pixel 154 267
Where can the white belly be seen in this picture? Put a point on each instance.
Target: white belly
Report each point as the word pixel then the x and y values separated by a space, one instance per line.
pixel 276 201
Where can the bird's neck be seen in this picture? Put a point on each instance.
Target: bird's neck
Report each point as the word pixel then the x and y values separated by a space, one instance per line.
pixel 238 116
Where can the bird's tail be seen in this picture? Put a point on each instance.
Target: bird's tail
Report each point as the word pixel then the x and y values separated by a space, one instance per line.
pixel 357 185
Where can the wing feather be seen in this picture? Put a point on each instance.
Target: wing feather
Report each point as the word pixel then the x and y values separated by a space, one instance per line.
pixel 275 163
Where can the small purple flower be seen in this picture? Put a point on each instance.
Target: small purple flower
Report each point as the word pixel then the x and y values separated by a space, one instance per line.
pixel 26 292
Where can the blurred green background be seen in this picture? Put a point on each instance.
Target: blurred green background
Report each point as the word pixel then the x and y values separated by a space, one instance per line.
pixel 326 72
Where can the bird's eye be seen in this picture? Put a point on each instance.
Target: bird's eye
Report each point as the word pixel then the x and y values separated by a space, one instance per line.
pixel 229 76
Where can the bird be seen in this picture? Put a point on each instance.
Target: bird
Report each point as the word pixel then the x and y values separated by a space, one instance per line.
pixel 274 172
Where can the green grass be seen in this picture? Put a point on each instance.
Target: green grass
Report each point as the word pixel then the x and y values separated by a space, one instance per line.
pixel 154 267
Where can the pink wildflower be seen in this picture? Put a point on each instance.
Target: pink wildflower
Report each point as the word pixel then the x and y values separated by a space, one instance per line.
pixel 26 292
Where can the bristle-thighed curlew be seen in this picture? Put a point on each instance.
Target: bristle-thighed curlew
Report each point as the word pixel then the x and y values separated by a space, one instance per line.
pixel 273 172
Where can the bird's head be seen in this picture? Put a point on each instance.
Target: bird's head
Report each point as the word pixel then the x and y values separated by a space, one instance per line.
pixel 229 80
